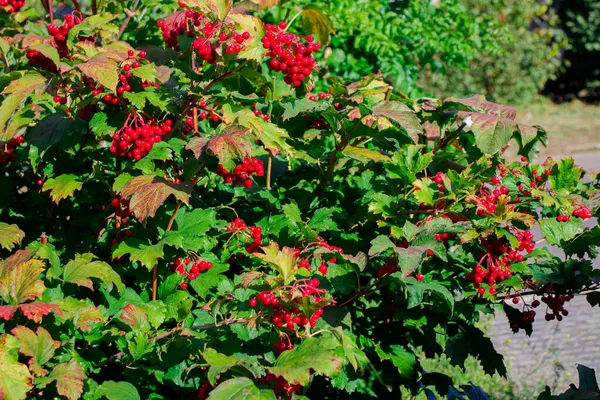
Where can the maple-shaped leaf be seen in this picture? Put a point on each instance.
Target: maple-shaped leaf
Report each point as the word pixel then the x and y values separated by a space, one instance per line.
pixel 149 192
pixel 218 362
pixel 62 186
pixel 83 267
pixel 10 235
pixel 138 250
pixel 397 114
pixel 81 313
pixel 7 312
pixel 15 379
pixel 231 144
pixel 69 379
pixel 18 258
pixel 35 311
pixel 38 345
pixel 20 284
pixel 270 135
pixel 135 317
pixel 18 92
pixel 284 261
pixel 253 48
pixel 479 103
pixel 102 68
pixel 313 353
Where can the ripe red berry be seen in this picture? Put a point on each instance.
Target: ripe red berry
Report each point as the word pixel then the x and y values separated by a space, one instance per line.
pixel 481 290
pixel 515 300
pixel 493 290
pixel 420 277
pixel 323 269
pixel 183 285
pixel 253 302
pixel 495 180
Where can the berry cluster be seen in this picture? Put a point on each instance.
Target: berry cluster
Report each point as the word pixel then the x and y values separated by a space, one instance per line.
pixel 320 95
pixel 208 35
pixel 259 113
pixel 289 54
pixel 241 174
pixel 7 152
pixel 37 59
pixel 253 233
pixel 206 113
pixel 555 305
pixel 387 268
pixel 121 207
pixel 194 271
pixel 281 387
pixel 563 218
pixel 521 319
pixel 11 6
pixel 583 212
pixel 136 138
pixel 61 33
pixel 284 304
pixel 439 180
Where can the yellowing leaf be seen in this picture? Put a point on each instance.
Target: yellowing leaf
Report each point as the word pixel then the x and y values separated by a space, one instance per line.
pixel 284 261
pixel 69 379
pixel 149 192
pixel 18 92
pixel 102 68
pixel 15 379
pixel 253 48
pixel 62 186
pixel 20 283
pixel 10 235
pixel 135 317
pixel 365 155
pixel 233 143
pixel 38 345
pixel 82 268
pixel 317 23
pixel 80 313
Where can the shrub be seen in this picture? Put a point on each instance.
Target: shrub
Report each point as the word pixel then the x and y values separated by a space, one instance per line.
pixel 211 227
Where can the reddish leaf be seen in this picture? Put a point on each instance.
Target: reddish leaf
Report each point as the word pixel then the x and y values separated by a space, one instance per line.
pixel 20 284
pixel 7 312
pixel 80 313
pixel 20 257
pixel 480 104
pixel 69 379
pixel 135 317
pixel 38 345
pixel 233 143
pixel 35 311
pixel 149 192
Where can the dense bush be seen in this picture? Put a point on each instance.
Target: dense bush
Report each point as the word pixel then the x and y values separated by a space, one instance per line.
pixel 185 217
pixel 531 54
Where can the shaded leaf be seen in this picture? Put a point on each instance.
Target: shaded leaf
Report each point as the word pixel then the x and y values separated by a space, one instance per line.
pixel 404 360
pixel 112 390
pixel 401 116
pixel 218 363
pixel 316 22
pixel 69 379
pixel 10 235
pixel 557 232
pixel 38 345
pixel 62 186
pixel 240 389
pixel 82 268
pixel 18 91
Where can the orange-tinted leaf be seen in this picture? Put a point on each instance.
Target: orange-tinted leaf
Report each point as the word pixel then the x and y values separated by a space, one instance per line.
pixel 7 312
pixel 80 313
pixel 20 257
pixel 10 235
pixel 38 345
pixel 35 311
pixel 149 192
pixel 284 261
pixel 20 284
pixel 102 68
pixel 317 23
pixel 69 379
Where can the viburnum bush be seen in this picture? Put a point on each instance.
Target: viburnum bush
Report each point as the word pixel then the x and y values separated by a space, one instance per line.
pixel 186 216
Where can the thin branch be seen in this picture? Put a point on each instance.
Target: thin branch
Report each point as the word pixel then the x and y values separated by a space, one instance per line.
pixel 530 292
pixel 130 14
pixel 94 7
pixel 51 11
pixel 269 166
pixel 76 5
pixel 333 159
pixel 448 138
pixel 360 294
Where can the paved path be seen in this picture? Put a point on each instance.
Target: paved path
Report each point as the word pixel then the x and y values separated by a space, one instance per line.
pixel 551 355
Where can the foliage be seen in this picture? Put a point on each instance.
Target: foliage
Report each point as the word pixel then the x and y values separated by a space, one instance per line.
pixel 211 227
pixel 530 54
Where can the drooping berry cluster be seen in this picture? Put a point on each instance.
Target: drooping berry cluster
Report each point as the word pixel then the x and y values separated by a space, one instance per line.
pixel 284 304
pixel 583 212
pixel 7 151
pixel 289 54
pixel 242 173
pixel 282 388
pixel 259 113
pixel 555 303
pixel 12 6
pixel 252 233
pixel 121 207
pixel 206 113
pixel 196 268
pixel 37 59
pixel 208 35
pixel 137 137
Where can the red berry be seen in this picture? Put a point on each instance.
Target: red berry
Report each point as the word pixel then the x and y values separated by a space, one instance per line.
pixel 183 285
pixel 323 269
pixel 515 300
pixel 420 277
pixel 253 302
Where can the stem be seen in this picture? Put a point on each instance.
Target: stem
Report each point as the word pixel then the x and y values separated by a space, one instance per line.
pixel 44 238
pixel 155 269
pixel 332 161
pixel 94 7
pixel 195 119
pixel 51 11
pixel 130 14
pixel 448 138
pixel 76 5
pixel 359 294
pixel 269 166
pixel 521 294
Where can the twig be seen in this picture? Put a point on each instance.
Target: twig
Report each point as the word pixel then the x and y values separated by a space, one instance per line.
pixel 130 14
pixel 44 238
pixel 51 11
pixel 521 294
pixel 448 138
pixel 155 269
pixel 76 5
pixel 269 166
pixel 94 7
pixel 359 294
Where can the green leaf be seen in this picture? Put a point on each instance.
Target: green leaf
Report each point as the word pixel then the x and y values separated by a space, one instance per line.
pixel 253 48
pixel 416 290
pixel 401 116
pixel 15 379
pixel 240 389
pixel 322 220
pixel 18 92
pixel 316 353
pixel 380 244
pixel 112 390
pixel 404 360
pixel 194 224
pixel 565 176
pixel 50 131
pixel 146 72
pixel 139 250
pixel 121 181
pixel 296 107
pixel 218 363
pixel 364 155
pixel 135 317
pixel 69 379
pixel 491 132
pixel 82 268
pixel 471 341
pixel 558 232
pixel 38 345
pixel 47 50
pixel 593 298
pixel 208 280
pixel 62 186
pixel 10 235
pixel 293 213
pixel 408 162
